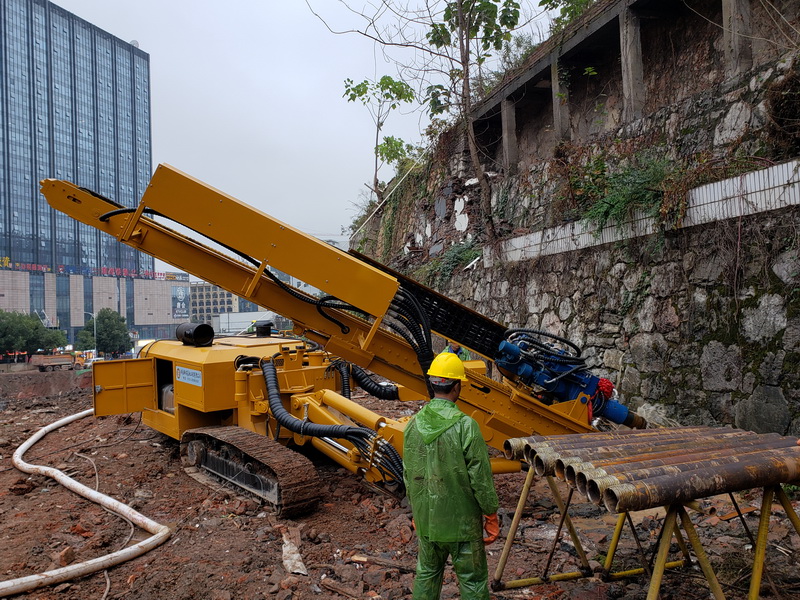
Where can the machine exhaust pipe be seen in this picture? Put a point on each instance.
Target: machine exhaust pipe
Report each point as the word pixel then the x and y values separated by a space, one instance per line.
pixel 195 334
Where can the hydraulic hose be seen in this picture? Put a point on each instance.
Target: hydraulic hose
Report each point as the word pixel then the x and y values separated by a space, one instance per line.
pixel 528 337
pixel 360 437
pixel 409 330
pixel 406 335
pixel 415 320
pixel 372 387
pixel 98 195
pixel 160 532
pixel 344 370
pixel 295 425
pixel 312 346
pixel 410 312
pixel 424 321
pixel 394 460
pixel 124 210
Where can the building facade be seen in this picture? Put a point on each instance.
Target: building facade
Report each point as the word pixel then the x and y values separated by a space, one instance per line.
pixel 75 105
pixel 209 300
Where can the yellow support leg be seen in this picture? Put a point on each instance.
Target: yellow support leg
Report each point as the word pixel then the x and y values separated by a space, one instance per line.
pixel 612 547
pixel 568 522
pixel 761 544
pixel 682 545
pixel 640 571
pixel 518 583
pixel 642 557
pixel 512 532
pixel 701 555
pixel 787 506
pixel 572 575
pixel 670 522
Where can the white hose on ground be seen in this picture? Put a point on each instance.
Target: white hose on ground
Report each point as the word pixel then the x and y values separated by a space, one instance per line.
pixel 160 532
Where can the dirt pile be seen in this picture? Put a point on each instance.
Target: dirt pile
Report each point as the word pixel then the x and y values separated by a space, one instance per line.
pixel 32 385
pixel 358 544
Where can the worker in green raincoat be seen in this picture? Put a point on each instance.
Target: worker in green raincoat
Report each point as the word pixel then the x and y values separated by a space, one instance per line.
pixel 449 483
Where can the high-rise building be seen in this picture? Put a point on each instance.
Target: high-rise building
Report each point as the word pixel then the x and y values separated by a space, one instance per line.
pixel 74 105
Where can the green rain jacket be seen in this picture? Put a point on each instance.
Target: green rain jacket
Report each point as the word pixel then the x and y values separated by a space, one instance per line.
pixel 447 473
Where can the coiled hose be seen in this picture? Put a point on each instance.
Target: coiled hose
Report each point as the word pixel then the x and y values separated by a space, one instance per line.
pixel 160 533
pixel 540 350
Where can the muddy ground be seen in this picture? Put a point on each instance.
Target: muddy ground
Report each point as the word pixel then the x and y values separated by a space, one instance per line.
pixel 226 547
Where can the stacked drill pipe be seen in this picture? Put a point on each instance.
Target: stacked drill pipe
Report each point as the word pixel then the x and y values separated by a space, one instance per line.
pixel 639 469
pixel 545 450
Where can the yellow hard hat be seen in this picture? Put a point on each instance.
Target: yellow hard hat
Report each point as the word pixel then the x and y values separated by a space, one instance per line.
pixel 447 365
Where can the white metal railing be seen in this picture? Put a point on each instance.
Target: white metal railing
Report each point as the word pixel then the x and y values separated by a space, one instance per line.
pixel 758 191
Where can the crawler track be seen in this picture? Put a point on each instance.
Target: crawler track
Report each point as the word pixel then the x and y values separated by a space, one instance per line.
pixel 261 467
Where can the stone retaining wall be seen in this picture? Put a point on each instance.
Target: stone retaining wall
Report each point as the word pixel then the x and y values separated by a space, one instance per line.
pixel 703 324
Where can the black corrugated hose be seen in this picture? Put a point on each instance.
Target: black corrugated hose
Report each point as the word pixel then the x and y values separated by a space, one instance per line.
pixel 386 459
pixel 344 370
pixel 372 387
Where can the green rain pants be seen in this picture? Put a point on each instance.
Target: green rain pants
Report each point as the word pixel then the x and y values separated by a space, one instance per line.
pixel 469 563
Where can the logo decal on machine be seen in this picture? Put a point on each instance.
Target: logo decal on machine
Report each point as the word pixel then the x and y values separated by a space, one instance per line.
pixel 190 376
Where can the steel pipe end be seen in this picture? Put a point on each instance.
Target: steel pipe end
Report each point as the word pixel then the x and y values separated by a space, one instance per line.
pixel 571 472
pixel 616 497
pixel 582 478
pixel 528 454
pixel 596 486
pixel 562 464
pixel 514 448
pixel 532 450
pixel 544 464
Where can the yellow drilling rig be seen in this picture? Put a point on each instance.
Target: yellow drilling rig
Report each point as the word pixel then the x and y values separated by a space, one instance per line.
pixel 236 403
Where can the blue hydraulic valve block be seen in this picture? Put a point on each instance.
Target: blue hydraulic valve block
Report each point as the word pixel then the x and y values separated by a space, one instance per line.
pixel 563 377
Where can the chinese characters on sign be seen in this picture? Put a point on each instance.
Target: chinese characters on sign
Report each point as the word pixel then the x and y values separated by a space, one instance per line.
pixel 7 263
pixel 180 302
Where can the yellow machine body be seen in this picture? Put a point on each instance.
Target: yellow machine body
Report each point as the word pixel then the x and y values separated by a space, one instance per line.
pixel 179 387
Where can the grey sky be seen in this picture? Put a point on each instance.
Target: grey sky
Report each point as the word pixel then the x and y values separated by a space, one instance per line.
pixel 247 97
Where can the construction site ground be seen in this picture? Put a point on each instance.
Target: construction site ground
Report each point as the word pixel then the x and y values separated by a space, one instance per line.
pixel 358 544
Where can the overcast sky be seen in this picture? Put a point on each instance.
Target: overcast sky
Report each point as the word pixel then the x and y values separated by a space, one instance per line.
pixel 247 97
